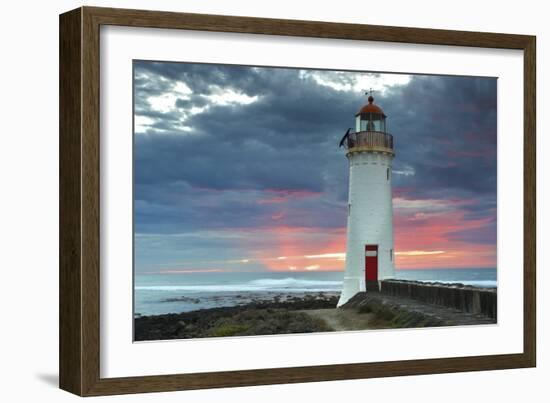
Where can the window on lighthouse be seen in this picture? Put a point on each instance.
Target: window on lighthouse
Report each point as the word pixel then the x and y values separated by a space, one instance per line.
pixel 370 122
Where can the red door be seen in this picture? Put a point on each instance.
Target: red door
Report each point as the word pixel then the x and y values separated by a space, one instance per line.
pixel 371 263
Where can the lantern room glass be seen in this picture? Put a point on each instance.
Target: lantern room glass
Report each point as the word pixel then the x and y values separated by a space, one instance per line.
pixel 370 122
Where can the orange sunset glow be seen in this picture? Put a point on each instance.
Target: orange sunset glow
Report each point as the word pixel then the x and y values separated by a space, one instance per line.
pixel 256 178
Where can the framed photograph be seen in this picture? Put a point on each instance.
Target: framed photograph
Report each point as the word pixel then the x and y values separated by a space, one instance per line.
pixel 249 201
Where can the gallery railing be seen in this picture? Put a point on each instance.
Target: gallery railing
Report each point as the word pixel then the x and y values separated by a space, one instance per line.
pixel 369 141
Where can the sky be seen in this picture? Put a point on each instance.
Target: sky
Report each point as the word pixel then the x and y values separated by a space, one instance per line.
pixel 238 168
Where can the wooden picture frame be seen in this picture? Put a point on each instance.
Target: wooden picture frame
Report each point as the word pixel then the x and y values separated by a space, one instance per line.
pixel 79 346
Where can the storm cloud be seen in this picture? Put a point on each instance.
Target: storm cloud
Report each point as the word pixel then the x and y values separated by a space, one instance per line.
pixel 251 150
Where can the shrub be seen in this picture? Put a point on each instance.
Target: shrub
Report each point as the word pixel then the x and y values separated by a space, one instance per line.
pixel 228 329
pixel 365 309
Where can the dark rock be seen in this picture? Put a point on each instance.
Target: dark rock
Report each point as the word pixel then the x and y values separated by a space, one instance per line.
pixel 259 317
pixel 401 312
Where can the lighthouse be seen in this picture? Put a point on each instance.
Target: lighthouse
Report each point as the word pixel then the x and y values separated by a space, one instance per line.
pixel 369 246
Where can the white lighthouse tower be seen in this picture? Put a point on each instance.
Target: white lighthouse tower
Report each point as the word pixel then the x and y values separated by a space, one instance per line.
pixel 369 246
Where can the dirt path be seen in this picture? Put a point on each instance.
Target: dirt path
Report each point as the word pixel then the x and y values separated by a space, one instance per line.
pixel 343 319
pixel 401 312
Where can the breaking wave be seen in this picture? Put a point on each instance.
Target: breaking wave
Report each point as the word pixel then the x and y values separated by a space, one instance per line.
pixel 474 283
pixel 267 284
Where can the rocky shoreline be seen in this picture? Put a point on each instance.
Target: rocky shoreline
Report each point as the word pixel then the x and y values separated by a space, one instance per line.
pixel 280 315
pixel 306 313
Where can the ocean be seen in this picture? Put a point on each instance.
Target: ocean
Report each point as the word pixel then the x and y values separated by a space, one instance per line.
pixel 156 294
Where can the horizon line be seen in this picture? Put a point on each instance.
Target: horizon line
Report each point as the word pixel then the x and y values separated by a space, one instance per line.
pixel 210 271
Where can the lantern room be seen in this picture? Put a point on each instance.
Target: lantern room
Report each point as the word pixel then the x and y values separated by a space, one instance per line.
pixel 370 118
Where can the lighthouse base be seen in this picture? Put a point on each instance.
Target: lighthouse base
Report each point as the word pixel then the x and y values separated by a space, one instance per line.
pixel 372 286
pixel 350 287
pixel 354 285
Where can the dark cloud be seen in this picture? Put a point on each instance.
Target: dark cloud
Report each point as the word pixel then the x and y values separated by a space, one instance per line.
pixel 202 164
pixel 482 235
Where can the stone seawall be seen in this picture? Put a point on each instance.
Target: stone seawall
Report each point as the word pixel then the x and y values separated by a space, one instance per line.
pixel 465 298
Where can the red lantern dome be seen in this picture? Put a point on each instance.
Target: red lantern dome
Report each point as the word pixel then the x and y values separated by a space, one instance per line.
pixel 371 107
